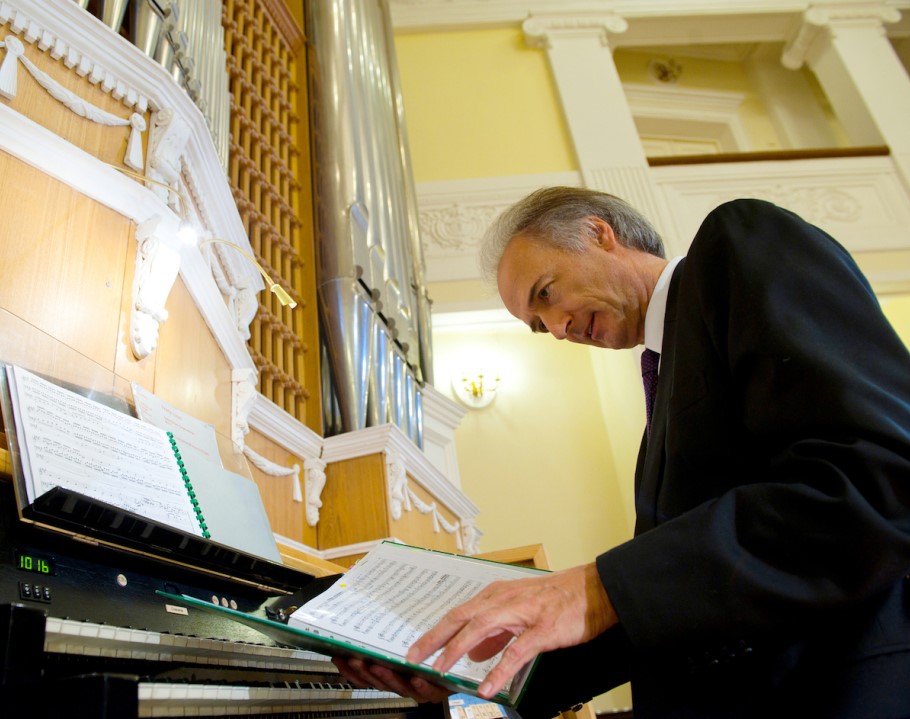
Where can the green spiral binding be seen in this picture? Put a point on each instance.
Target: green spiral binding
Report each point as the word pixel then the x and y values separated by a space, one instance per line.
pixel 189 487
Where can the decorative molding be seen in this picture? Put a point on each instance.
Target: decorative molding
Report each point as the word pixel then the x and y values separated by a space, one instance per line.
pixel 441 417
pixel 157 266
pixel 314 480
pixel 675 104
pixel 453 216
pixel 397 482
pixel 347 550
pixel 822 17
pixel 300 546
pixel 273 422
pixel 652 22
pixel 38 25
pixel 269 420
pixel 470 536
pixel 167 139
pixel 244 382
pixel 70 100
pixel 540 29
pixel 406 457
pixel 457 227
pixel 267 466
pixel 72 35
pixel 861 201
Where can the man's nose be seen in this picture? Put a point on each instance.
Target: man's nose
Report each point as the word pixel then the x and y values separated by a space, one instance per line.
pixel 558 325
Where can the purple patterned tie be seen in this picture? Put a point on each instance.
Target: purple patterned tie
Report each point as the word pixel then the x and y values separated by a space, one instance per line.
pixel 649 363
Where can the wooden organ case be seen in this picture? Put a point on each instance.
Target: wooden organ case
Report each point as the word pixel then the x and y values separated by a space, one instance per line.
pixel 108 148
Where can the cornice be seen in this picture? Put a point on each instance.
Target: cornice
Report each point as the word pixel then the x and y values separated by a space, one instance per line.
pixel 441 408
pixel 652 22
pixel 390 440
pixel 539 29
pixel 279 426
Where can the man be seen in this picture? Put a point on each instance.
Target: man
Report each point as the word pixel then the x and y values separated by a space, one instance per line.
pixel 768 575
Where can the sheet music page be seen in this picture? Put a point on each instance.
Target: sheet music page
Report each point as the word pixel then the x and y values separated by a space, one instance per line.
pixel 396 593
pixel 190 433
pixel 70 441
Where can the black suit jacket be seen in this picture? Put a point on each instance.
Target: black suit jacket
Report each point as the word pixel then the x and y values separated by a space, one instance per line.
pixel 768 574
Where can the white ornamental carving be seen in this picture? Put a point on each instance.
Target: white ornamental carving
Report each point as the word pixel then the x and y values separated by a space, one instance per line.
pixel 456 227
pixel 15 53
pixel 157 265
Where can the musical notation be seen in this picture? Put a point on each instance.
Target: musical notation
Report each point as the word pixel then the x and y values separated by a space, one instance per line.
pixel 73 442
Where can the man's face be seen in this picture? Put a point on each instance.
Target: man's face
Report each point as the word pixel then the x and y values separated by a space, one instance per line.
pixel 592 297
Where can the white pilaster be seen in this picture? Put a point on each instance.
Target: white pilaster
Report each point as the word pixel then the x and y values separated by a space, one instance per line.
pixel 784 92
pixel 607 146
pixel 846 46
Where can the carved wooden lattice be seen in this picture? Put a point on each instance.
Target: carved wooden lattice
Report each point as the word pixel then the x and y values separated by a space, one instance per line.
pixel 269 175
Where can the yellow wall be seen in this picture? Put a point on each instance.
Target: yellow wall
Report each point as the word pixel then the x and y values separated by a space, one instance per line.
pixel 537 461
pixel 714 75
pixel 552 460
pixel 897 310
pixel 480 104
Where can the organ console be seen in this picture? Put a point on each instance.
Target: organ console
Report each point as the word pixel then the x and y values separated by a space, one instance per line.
pixel 83 633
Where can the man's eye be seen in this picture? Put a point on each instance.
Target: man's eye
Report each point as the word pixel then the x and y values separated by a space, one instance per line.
pixel 544 293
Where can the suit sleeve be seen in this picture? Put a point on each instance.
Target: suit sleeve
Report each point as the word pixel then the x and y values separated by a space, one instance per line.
pixel 798 513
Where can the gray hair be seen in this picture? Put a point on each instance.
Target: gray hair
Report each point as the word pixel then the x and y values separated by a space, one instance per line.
pixel 558 216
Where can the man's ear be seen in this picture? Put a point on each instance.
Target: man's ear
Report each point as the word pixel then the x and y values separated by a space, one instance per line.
pixel 602 233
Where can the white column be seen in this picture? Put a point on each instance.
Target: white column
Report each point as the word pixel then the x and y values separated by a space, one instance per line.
pixel 798 120
pixel 607 146
pixel 846 47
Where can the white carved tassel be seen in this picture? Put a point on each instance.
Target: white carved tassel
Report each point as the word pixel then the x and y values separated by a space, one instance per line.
pixel 10 66
pixel 133 156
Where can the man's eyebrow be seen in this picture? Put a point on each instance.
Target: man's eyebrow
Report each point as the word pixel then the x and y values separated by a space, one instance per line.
pixel 532 294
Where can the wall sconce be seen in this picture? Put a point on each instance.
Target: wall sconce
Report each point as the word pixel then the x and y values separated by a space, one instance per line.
pixel 475 389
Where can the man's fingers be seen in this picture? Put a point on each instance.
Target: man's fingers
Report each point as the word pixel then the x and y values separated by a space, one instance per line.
pixel 435 638
pixel 515 656
pixel 489 647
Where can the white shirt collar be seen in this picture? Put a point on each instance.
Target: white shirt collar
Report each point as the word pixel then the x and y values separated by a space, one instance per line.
pixel 657 307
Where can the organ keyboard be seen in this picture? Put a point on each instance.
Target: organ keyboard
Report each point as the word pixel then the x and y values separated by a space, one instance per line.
pixel 83 633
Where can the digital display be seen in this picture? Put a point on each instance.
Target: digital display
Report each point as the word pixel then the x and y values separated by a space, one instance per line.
pixel 34 563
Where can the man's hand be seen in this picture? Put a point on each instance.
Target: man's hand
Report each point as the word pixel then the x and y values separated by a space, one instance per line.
pixel 542 613
pixel 365 675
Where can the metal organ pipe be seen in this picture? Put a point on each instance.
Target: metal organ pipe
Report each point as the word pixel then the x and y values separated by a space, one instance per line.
pixel 374 304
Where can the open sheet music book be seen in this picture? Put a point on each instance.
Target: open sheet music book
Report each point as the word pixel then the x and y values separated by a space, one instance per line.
pixel 379 608
pixel 73 442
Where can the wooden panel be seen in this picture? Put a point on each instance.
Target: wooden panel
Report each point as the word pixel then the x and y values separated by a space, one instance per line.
pixel 531 555
pixel 293 557
pixel 191 371
pixel 416 528
pixel 354 502
pixel 62 260
pixel 107 143
pixel 286 516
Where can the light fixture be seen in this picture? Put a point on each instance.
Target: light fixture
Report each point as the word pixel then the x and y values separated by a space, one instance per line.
pixel 475 389
pixel 282 294
pixel 188 235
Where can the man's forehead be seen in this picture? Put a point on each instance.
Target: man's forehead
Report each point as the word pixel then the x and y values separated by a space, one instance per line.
pixel 516 274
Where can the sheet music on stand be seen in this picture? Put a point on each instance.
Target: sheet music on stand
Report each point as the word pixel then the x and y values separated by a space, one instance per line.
pixel 66 440
pixel 63 439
